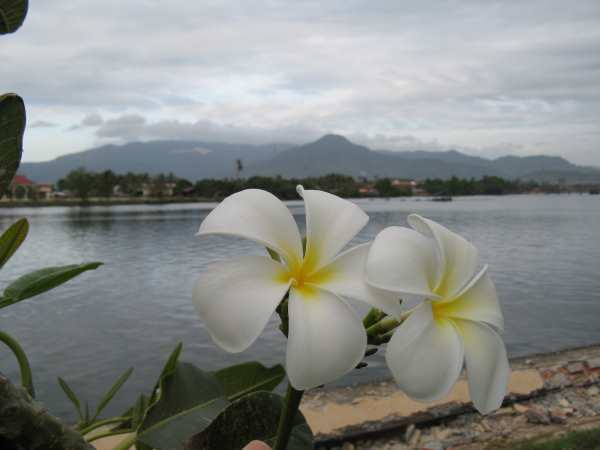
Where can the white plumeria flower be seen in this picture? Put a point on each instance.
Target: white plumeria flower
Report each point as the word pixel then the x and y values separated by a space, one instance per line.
pixel 235 299
pixel 457 323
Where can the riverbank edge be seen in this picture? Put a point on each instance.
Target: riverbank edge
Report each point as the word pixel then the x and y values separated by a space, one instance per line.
pixel 105 202
pixel 376 410
pixel 146 201
pixel 185 200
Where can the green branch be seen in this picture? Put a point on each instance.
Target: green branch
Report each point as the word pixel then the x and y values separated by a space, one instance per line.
pixel 25 368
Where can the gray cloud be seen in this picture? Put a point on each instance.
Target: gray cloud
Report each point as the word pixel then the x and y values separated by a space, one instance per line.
pixel 92 120
pixel 133 127
pixel 447 73
pixel 42 124
pixel 89 121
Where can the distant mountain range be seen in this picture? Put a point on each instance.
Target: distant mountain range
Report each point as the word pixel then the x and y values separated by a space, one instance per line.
pixel 187 159
pixel 329 154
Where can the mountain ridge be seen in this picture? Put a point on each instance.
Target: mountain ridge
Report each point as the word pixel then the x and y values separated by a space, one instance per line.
pixel 331 153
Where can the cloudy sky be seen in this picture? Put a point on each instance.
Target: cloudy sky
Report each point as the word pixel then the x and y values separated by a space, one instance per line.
pixel 487 77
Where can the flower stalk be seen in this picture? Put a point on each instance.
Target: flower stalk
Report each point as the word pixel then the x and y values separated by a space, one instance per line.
pixel 383 326
pixel 289 411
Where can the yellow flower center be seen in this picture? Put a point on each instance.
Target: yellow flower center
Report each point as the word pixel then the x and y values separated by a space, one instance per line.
pixel 304 277
pixel 438 308
pixel 442 309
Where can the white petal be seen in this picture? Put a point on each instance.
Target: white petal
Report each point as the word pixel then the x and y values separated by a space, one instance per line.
pixel 478 301
pixel 260 216
pixel 235 299
pixel 331 222
pixel 487 365
pixel 345 276
pixel 326 339
pixel 425 355
pixel 404 261
pixel 459 258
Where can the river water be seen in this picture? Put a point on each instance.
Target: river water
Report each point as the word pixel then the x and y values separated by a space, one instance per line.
pixel 543 253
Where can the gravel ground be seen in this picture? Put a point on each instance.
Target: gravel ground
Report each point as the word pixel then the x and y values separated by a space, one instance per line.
pixel 568 399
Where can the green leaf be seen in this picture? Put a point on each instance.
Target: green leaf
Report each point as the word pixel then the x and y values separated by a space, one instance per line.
pixel 12 15
pixel 171 363
pixel 189 400
pixel 112 392
pixel 43 280
pixel 243 379
pixel 138 411
pixel 12 127
pixel 140 446
pixel 255 416
pixel 12 239
pixel 71 395
pixel 167 370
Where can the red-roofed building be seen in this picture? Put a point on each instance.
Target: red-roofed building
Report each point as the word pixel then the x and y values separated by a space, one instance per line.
pixel 21 187
pixel 22 180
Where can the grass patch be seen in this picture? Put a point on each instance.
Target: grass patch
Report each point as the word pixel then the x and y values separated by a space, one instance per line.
pixel 573 440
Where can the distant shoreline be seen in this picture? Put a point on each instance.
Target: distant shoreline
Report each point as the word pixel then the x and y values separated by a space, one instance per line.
pixel 75 202
pixel 115 201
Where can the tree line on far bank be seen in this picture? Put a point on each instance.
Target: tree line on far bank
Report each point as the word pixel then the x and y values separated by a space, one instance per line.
pixel 84 184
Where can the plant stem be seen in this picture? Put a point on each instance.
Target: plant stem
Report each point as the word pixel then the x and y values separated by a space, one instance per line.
pixel 106 434
pixel 25 368
pixel 288 413
pixel 381 338
pixel 101 423
pixel 383 326
pixel 381 332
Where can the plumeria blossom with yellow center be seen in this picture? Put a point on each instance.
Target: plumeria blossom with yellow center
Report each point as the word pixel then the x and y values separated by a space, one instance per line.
pixel 235 299
pixel 457 323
